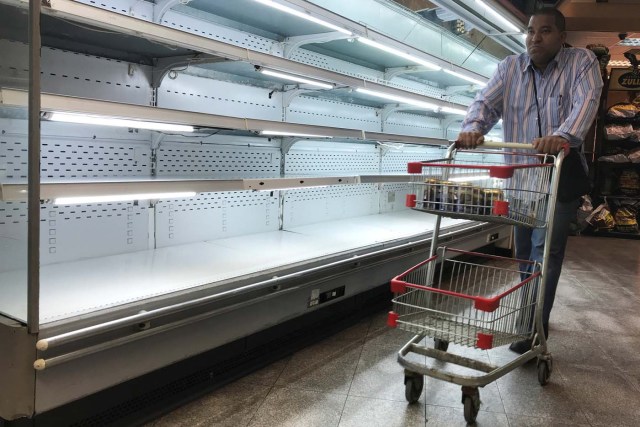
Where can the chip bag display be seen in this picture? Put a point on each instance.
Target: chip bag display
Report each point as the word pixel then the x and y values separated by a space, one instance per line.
pixel 601 218
pixel 625 219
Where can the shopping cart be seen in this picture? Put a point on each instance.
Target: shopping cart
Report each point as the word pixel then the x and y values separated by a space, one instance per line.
pixel 489 301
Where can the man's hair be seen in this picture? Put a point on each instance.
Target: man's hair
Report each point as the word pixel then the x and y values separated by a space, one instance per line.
pixel 555 13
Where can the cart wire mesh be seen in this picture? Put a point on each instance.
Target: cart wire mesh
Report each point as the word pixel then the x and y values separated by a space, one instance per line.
pixel 481 305
pixel 503 187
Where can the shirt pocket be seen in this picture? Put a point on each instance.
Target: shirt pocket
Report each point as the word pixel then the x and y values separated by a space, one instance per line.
pixel 557 113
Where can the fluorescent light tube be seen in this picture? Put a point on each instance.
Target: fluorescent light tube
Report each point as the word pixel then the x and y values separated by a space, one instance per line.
pixel 298 79
pixel 465 77
pixel 120 198
pixel 303 15
pixel 396 98
pixel 283 133
pixel 110 121
pixel 453 111
pixel 399 53
pixel 499 17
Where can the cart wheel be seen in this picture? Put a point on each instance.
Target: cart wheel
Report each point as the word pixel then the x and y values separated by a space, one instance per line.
pixel 413 385
pixel 440 344
pixel 471 402
pixel 544 371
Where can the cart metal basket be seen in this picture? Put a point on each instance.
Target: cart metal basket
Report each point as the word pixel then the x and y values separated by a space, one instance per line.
pixel 482 306
pixel 510 188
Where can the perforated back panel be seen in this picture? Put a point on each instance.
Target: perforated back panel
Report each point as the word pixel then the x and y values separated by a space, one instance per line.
pixel 87 231
pixel 370 74
pixel 77 74
pixel 308 206
pixel 216 162
pixel 193 93
pixel 322 158
pixel 225 34
pixel 414 125
pixel 324 112
pixel 120 6
pixel 214 216
pixel 62 161
pixel 14 67
pixel 13 236
pixel 13 158
pixel 393 197
pixel 395 160
pixel 89 153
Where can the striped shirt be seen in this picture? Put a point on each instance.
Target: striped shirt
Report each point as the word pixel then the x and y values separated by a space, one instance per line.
pixel 568 97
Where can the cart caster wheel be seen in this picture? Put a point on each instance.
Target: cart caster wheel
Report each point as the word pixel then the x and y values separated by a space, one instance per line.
pixel 544 371
pixel 471 402
pixel 440 344
pixel 413 385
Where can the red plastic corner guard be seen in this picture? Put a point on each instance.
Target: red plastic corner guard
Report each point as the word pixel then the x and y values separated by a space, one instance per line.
pixel 392 319
pixel 398 287
pixel 486 304
pixel 410 201
pixel 414 167
pixel 500 207
pixel 502 172
pixel 484 341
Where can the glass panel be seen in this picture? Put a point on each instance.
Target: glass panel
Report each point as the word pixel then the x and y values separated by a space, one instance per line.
pixel 14 68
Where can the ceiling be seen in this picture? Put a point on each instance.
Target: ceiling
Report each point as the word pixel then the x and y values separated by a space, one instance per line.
pixel 601 22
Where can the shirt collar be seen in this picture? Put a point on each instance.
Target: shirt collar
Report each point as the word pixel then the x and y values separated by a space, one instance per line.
pixel 559 59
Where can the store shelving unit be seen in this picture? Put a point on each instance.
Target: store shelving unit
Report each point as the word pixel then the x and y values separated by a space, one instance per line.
pixel 619 90
pixel 286 190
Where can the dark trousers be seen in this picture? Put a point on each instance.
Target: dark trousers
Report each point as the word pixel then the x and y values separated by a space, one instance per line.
pixel 530 246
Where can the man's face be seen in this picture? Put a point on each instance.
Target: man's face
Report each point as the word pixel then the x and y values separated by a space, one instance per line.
pixel 544 39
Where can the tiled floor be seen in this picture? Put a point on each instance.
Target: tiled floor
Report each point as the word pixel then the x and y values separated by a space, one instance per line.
pixel 353 379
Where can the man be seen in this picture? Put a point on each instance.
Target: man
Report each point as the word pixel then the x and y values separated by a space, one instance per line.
pixel 549 97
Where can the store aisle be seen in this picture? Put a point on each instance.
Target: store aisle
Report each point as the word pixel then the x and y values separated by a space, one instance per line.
pixel 353 379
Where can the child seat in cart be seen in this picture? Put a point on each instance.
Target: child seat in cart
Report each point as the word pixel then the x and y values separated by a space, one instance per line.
pixel 483 301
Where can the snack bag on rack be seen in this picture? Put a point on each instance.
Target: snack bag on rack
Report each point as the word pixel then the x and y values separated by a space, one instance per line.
pixel 629 182
pixel 601 218
pixel 625 218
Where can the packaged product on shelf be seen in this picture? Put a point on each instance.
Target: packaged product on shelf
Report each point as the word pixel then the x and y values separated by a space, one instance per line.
pixel 629 182
pixel 614 158
pixel 432 193
pixel 622 110
pixel 634 155
pixel 449 196
pixel 601 218
pixel 620 132
pixel 625 218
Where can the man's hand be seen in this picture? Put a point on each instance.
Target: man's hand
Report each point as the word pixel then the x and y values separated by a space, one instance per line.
pixel 550 144
pixel 469 139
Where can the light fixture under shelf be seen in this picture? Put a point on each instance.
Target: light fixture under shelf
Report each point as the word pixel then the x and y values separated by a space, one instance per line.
pixel 501 19
pixel 465 77
pixel 397 98
pixel 285 133
pixel 453 111
pixel 121 198
pixel 294 78
pixel 303 15
pixel 399 53
pixel 112 121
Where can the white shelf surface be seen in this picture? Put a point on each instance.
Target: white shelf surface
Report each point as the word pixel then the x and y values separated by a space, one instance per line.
pixel 80 287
